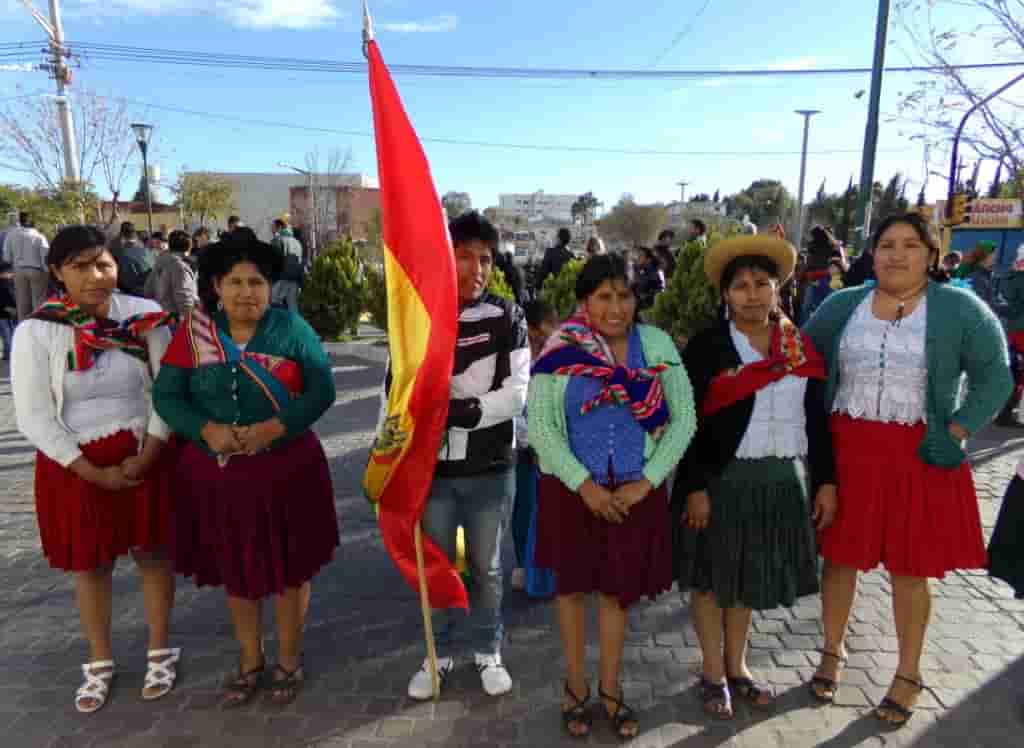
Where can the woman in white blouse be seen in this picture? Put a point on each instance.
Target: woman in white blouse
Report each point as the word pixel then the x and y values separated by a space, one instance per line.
pixel 758 478
pixel 82 374
pixel 896 356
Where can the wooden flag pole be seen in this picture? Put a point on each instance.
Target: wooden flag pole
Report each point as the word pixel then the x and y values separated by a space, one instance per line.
pixel 428 626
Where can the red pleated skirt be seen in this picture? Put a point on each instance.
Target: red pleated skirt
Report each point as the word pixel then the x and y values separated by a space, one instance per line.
pixel 590 554
pixel 84 527
pixel 258 525
pixel 916 519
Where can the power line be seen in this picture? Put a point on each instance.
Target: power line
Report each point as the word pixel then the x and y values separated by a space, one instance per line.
pixel 682 34
pixel 135 55
pixel 483 144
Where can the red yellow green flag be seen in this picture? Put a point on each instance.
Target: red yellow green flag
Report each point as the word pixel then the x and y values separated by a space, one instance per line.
pixel 422 327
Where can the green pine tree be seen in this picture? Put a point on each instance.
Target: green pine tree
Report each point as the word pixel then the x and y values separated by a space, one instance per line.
pixel 560 290
pixel 499 286
pixel 335 291
pixel 689 303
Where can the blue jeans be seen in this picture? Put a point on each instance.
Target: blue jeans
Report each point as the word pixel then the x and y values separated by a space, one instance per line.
pixel 6 333
pixel 481 505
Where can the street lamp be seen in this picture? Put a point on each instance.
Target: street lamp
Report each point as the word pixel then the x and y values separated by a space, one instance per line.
pixel 806 114
pixel 142 135
pixel 312 203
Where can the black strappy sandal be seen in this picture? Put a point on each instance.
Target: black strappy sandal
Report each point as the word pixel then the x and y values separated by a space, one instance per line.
pixel 283 691
pixel 714 694
pixel 903 713
pixel 623 715
pixel 820 681
pixel 751 692
pixel 241 687
pixel 578 714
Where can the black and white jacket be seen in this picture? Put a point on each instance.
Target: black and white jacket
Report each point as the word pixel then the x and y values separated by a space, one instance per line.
pixel 490 380
pixel 488 389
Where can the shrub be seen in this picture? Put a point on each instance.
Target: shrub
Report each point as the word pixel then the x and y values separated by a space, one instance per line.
pixel 335 291
pixel 689 303
pixel 376 297
pixel 560 290
pixel 498 286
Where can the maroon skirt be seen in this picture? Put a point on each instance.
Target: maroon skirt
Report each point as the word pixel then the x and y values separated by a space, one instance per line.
pixel 590 554
pixel 259 525
pixel 84 527
pixel 916 519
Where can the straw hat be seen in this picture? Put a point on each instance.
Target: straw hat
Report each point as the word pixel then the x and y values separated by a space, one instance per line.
pixel 720 254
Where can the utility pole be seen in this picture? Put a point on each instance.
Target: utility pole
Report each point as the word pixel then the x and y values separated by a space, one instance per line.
pixel 682 192
pixel 867 172
pixel 806 114
pixel 55 31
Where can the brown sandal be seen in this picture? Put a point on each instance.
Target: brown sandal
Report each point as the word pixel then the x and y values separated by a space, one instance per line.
pixel 578 714
pixel 903 713
pixel 829 686
pixel 241 687
pixel 751 692
pixel 283 691
pixel 716 699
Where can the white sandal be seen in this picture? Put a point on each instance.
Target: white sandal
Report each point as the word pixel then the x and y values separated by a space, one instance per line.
pixel 162 674
pixel 96 686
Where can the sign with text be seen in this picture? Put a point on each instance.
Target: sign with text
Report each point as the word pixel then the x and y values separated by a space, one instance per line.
pixel 997 212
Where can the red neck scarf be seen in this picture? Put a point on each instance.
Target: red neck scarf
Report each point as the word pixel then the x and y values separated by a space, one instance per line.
pixel 791 353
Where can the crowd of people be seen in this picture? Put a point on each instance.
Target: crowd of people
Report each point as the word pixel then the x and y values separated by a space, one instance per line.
pixel 763 463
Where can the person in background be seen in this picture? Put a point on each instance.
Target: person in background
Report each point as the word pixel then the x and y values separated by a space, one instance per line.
pixel 26 250
pixel 663 251
pixel 541 323
pixel 605 451
pixel 234 222
pixel 1013 292
pixel 969 262
pixel 648 278
pixel 12 224
pixel 124 235
pixel 595 246
pixel 200 238
pixel 504 262
pixel 1006 548
pixel 980 277
pixel 698 232
pixel 157 243
pixel 759 477
pixel 862 269
pixel 173 280
pixel 82 377
pixel 8 307
pixel 555 258
pixel 951 263
pixel 286 289
pixel 896 355
pixel 817 275
pixel 135 262
pixel 748 227
pixel 244 383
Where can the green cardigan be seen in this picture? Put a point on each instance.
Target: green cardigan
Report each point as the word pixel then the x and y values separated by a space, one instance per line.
pixel 549 433
pixel 962 336
pixel 188 399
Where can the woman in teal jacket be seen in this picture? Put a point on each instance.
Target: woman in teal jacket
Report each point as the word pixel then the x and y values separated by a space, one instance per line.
pixel 896 354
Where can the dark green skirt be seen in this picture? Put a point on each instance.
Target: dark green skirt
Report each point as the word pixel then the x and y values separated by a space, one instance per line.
pixel 759 549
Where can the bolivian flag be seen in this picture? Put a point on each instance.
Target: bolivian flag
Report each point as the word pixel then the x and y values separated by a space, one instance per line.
pixel 422 327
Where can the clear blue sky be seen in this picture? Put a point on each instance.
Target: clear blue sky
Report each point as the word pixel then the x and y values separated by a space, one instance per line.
pixel 666 115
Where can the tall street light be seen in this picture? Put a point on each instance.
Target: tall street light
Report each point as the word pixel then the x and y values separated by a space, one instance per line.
pixel 867 166
pixel 142 135
pixel 806 114
pixel 312 203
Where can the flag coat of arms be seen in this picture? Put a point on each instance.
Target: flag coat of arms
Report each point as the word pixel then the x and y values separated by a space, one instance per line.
pixel 419 266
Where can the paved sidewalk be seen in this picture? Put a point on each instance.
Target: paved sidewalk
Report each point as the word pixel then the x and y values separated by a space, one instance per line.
pixel 364 641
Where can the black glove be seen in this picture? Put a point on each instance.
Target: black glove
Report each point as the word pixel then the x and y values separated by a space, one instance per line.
pixel 464 413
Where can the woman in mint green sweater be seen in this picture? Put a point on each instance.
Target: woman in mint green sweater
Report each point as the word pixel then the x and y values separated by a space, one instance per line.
pixel 896 355
pixel 610 414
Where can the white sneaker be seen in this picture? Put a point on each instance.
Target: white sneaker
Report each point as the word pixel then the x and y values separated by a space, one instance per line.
pixel 493 675
pixel 421 686
pixel 518 581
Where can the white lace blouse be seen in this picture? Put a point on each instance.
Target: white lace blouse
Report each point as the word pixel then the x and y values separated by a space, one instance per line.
pixel 883 371
pixel 778 425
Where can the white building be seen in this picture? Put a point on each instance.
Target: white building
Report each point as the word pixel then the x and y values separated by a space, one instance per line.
pixel 539 207
pixel 262 197
pixel 679 214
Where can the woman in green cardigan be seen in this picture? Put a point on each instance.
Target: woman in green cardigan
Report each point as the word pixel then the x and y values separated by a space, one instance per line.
pixel 896 354
pixel 255 507
pixel 610 415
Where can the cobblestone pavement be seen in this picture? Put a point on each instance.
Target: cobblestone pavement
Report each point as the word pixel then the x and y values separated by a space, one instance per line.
pixel 364 640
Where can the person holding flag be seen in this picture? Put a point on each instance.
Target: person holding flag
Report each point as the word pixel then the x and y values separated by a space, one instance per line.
pixel 457 377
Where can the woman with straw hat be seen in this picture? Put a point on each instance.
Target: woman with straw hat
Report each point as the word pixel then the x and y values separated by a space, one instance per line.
pixel 758 478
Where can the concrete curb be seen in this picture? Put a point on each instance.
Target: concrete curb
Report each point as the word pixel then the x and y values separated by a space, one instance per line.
pixel 368 350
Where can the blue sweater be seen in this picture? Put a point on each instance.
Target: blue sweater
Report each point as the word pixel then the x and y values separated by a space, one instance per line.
pixel 963 336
